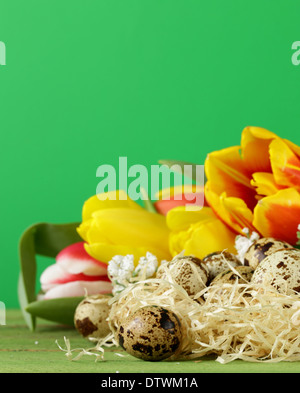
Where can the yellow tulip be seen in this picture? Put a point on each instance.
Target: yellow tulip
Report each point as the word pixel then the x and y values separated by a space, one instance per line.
pixel 198 232
pixel 120 227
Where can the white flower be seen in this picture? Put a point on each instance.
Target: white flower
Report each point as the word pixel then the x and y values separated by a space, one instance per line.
pixel 126 267
pixel 120 268
pixel 242 243
pixel 299 227
pixel 149 264
pixel 246 231
pixel 113 266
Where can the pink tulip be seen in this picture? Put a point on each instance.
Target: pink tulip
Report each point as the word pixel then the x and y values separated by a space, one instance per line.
pixel 75 273
pixel 176 198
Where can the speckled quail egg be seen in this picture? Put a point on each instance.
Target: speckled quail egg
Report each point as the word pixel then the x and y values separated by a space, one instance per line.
pixel 151 333
pixel 217 262
pixel 90 316
pixel 263 247
pixel 189 272
pixel 281 270
pixel 229 276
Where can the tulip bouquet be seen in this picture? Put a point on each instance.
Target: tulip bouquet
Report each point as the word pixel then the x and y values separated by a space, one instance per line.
pixel 255 185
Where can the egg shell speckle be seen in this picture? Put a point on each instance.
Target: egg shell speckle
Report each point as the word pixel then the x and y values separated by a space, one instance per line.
pixel 189 272
pixel 217 262
pixel 281 270
pixel 262 248
pixel 151 333
pixel 90 316
pixel 230 277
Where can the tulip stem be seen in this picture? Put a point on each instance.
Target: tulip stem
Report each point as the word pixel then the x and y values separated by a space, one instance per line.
pixel 148 205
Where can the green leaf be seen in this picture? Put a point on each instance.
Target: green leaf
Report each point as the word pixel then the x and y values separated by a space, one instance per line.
pixel 181 167
pixel 40 239
pixel 57 310
pixel 26 286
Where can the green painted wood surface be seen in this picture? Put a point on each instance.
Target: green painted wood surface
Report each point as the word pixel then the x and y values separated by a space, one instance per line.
pixel 24 351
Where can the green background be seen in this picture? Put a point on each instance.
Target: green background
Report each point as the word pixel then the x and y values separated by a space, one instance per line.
pixel 89 81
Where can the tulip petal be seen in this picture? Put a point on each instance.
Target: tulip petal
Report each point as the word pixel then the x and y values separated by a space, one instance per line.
pixel 74 259
pixel 210 237
pixel 278 215
pixel 50 276
pixel 79 288
pixel 106 252
pixel 179 191
pixel 55 275
pixel 295 148
pixel 192 195
pixel 225 170
pixel 108 200
pixel 133 228
pixel 202 238
pixel 285 164
pixel 265 184
pixel 83 228
pixel 226 163
pixel 255 143
pixel 231 210
pixel 177 242
pixel 164 206
pixel 180 218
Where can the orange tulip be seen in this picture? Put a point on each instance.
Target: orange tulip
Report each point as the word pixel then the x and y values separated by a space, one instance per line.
pixel 256 185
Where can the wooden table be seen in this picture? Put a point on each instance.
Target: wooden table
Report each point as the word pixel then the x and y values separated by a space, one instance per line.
pixel 23 351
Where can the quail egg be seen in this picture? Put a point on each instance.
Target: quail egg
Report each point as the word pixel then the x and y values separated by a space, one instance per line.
pixel 217 262
pixel 151 333
pixel 229 276
pixel 90 318
pixel 189 272
pixel 261 249
pixel 281 270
